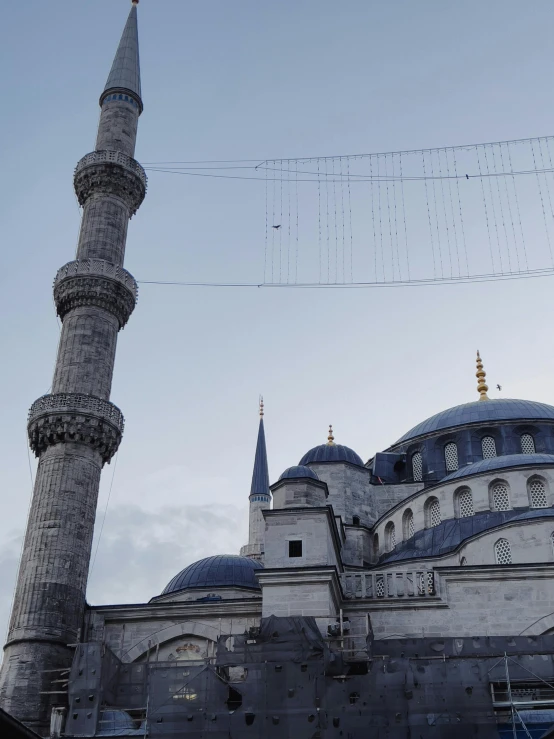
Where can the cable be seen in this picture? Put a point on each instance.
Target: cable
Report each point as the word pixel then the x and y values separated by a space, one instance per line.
pixel 489 277
pixel 335 156
pixel 104 517
pixel 361 178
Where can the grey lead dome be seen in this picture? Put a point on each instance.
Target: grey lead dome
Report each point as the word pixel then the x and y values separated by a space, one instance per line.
pixel 223 570
pixel 482 412
pixel 298 471
pixel 331 453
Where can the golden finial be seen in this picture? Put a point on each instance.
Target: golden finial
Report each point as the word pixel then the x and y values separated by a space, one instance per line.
pixel 261 406
pixel 482 386
pixel 331 438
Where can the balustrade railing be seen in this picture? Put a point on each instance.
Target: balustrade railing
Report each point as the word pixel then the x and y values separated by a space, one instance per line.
pixel 77 402
pixel 112 157
pixel 97 267
pixel 382 585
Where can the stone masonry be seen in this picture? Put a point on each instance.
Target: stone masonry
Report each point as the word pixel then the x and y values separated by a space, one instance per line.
pixel 76 430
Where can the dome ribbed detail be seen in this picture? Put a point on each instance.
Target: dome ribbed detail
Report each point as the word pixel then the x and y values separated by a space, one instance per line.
pixel 331 453
pixel 223 570
pixel 298 471
pixel 481 412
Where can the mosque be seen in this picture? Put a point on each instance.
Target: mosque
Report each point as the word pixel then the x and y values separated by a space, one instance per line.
pixel 409 595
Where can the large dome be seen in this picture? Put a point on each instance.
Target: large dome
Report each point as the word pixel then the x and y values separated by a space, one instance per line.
pixel 481 412
pixel 223 570
pixel 331 453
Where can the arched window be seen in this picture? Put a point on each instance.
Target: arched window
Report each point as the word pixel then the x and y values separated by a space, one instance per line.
pixel 451 457
pixel 503 552
pixel 488 446
pixel 465 503
pixel 537 494
pixel 417 467
pixel 376 546
pixel 432 513
pixel 500 497
pixel 390 536
pixel 527 444
pixel 408 525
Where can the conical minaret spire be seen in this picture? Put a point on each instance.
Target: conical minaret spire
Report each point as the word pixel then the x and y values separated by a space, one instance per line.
pixel 260 475
pixel 75 430
pixel 125 73
pixel 260 495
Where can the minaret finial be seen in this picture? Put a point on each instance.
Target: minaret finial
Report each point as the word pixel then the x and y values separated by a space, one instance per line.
pixel 482 386
pixel 331 438
pixel 134 2
pixel 261 406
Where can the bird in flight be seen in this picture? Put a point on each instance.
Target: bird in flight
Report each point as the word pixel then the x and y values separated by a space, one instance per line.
pixel 276 227
pixel 499 387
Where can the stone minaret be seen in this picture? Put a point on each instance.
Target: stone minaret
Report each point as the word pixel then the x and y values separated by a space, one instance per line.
pixel 76 430
pixel 260 497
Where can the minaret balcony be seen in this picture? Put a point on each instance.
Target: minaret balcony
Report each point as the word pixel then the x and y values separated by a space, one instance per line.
pixel 95 282
pixel 111 173
pixel 75 417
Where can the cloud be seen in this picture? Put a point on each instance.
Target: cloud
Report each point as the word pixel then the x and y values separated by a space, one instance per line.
pixel 141 550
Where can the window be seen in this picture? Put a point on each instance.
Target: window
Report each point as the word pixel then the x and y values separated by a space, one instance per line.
pixel 390 536
pixel 537 494
pixel 417 467
pixel 463 562
pixel 500 497
pixel 376 546
pixel 356 520
pixel 295 548
pixel 451 457
pixel 527 444
pixel 552 541
pixel 488 446
pixel 465 503
pixel 433 513
pixel 408 524
pixel 503 552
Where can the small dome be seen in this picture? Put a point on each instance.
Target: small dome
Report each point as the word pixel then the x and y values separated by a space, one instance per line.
pixel 483 412
pixel 223 570
pixel 331 453
pixel 298 471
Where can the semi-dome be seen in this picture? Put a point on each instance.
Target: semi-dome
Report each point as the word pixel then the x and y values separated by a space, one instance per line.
pixel 298 471
pixel 223 570
pixel 481 412
pixel 500 463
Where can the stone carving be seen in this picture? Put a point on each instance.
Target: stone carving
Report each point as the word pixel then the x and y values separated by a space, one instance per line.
pixel 95 282
pixel 73 417
pixel 110 173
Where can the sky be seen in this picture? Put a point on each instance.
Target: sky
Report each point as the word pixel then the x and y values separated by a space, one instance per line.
pixel 250 80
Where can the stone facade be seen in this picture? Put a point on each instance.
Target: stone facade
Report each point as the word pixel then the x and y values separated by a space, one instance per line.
pixel 75 430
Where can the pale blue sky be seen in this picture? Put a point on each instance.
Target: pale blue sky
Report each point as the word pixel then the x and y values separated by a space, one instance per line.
pixel 251 80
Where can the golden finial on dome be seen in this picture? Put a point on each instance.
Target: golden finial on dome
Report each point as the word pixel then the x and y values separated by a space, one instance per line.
pixel 261 406
pixel 482 386
pixel 331 438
